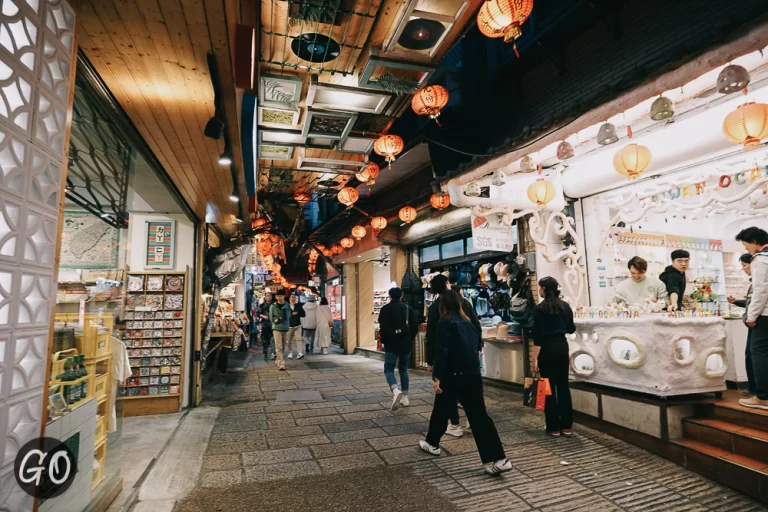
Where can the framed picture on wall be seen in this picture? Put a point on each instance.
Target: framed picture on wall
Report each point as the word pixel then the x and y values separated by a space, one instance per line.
pixel 161 244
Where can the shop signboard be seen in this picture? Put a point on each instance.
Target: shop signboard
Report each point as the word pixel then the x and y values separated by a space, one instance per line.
pixel 489 233
pixel 161 244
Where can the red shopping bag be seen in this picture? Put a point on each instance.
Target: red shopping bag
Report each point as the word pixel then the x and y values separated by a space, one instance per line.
pixel 536 392
pixel 543 390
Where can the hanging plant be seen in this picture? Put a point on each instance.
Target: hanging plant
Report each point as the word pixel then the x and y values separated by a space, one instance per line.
pixel 395 85
pixel 314 11
pixel 272 90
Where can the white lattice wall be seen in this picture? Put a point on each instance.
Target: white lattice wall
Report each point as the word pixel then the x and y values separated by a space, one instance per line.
pixel 36 49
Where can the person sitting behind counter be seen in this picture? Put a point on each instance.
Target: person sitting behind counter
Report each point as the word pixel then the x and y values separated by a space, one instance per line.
pixel 636 291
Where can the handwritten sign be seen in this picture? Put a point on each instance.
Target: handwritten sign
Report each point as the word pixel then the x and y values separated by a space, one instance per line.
pixel 491 234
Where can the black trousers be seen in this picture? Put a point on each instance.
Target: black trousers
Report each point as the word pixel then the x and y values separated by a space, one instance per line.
pixel 759 348
pixel 553 364
pixel 469 391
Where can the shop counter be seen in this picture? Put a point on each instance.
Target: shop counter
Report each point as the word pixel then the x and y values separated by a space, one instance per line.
pixel 503 360
pixel 652 353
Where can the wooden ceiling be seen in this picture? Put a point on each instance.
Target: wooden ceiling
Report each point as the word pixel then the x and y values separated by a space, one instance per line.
pixel 152 56
pixel 365 34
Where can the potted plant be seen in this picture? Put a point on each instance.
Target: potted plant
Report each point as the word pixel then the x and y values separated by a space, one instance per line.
pixel 317 11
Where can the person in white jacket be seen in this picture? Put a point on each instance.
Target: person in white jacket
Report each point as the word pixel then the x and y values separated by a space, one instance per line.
pixel 324 325
pixel 309 324
pixel 755 241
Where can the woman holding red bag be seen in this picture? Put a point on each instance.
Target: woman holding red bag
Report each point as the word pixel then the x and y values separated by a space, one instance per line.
pixel 552 320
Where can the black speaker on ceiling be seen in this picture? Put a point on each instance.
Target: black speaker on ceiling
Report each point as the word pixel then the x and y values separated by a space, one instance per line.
pixel 214 128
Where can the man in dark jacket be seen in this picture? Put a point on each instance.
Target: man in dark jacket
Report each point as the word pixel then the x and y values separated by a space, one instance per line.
pixel 294 332
pixel 437 286
pixel 266 325
pixel 398 327
pixel 673 278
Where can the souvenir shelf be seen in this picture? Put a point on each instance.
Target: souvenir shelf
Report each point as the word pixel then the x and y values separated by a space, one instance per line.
pixel 155 312
pixel 380 298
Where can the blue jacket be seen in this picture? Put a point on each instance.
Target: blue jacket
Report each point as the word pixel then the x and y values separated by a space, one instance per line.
pixel 456 347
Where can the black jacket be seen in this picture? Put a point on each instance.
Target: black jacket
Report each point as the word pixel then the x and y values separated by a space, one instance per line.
pixel 296 319
pixel 456 348
pixel 433 316
pixel 264 310
pixel 674 280
pixel 549 328
pixel 392 317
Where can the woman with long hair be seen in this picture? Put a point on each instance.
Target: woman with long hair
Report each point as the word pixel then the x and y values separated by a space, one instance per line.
pixel 324 325
pixel 552 320
pixel 456 376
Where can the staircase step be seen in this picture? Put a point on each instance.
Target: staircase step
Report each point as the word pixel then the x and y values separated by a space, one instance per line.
pixel 732 412
pixel 737 471
pixel 733 438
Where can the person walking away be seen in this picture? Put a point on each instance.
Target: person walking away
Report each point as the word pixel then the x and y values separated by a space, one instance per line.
pixel 673 278
pixel 398 327
pixel 324 325
pixel 640 288
pixel 266 325
pixel 755 241
pixel 456 377
pixel 309 324
pixel 745 260
pixel 294 331
pixel 437 286
pixel 280 317
pixel 552 320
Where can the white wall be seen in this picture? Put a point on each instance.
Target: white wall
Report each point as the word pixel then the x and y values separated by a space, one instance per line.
pixel 381 277
pixel 184 256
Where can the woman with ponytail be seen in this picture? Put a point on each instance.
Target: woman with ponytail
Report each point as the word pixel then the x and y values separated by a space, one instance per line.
pixel 552 320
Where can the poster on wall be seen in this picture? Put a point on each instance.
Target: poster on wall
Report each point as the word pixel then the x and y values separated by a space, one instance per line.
pixel 88 242
pixel 161 244
pixel 491 234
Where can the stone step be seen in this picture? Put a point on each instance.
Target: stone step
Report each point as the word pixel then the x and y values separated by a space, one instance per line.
pixel 734 438
pixel 730 411
pixel 739 472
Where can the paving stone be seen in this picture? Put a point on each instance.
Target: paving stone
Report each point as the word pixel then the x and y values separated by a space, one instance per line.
pixel 280 415
pixel 318 420
pixel 345 462
pixel 367 415
pixel 403 455
pixel 286 408
pixel 458 446
pixel 345 426
pixel 297 441
pixel 398 420
pixel 325 411
pixel 280 471
pixel 295 431
pixel 408 428
pixel 243 411
pixel 275 424
pixel 419 409
pixel 222 478
pixel 358 408
pixel 223 426
pixel 238 447
pixel 235 437
pixel 306 395
pixel 276 456
pixel 338 437
pixel 221 461
pixel 336 449
pixel 386 443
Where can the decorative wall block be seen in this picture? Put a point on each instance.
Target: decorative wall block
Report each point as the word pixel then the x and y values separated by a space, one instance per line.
pixel 60 20
pixel 45 180
pixel 16 93
pixel 12 498
pixel 6 299
pixel 36 296
pixel 29 355
pixel 18 33
pixel 23 424
pixel 54 69
pixel 40 238
pixel 50 123
pixel 10 227
pixel 5 345
pixel 13 163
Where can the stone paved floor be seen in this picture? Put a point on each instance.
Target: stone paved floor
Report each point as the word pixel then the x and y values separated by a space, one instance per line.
pixel 346 446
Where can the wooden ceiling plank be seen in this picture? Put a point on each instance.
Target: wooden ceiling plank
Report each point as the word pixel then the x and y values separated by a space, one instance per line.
pixel 102 50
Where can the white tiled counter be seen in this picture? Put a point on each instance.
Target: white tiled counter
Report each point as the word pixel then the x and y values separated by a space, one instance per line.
pixel 503 360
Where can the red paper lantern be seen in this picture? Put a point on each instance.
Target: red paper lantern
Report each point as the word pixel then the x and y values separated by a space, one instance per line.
pixel 407 214
pixel 440 201
pixel 368 174
pixel 301 197
pixel 348 196
pixel 429 100
pixel 336 249
pixel 347 242
pixel 502 18
pixel 389 146
pixel 378 223
pixel 359 232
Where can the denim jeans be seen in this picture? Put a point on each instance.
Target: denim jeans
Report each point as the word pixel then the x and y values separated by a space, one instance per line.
pixel 390 359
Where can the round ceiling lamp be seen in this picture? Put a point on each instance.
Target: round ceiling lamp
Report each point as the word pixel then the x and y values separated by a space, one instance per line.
pixel 732 79
pixel 378 223
pixel 440 201
pixel 502 18
pixel 632 160
pixel 389 146
pixel 348 196
pixel 564 150
pixel 314 47
pixel 347 242
pixel 429 100
pixel 336 249
pixel 359 232
pixel 607 134
pixel 662 108
pixel 541 191
pixel 747 125
pixel 407 214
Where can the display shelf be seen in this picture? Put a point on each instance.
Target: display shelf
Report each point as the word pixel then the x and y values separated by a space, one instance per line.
pixel 155 334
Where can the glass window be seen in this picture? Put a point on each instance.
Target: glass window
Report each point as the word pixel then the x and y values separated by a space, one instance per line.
pixel 453 249
pixel 431 253
pixel 470 246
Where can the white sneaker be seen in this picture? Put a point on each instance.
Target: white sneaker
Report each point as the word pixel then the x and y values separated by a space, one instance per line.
pixel 274 356
pixel 454 430
pixel 396 399
pixel 325 351
pixel 300 356
pixel 405 402
pixel 498 467
pixel 425 446
pixel 290 356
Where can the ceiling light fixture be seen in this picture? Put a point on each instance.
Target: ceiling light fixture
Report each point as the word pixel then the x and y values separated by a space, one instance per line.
pixel 233 196
pixel 226 157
